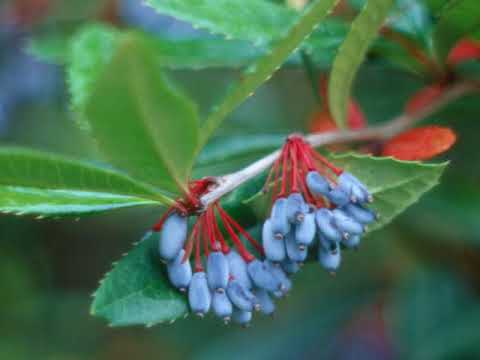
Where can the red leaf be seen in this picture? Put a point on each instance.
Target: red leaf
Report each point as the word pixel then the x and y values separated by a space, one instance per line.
pixel 423 97
pixel 420 143
pixel 356 119
pixel 322 121
pixel 464 50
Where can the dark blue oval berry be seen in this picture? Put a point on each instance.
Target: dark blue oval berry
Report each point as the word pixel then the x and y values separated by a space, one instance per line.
pixel 296 208
pixel 345 223
pixel 242 317
pixel 280 275
pixel 262 277
pixel 359 213
pixel 339 196
pixel 317 184
pixel 199 296
pixel 330 261
pixel 180 273
pixel 267 306
pixel 172 236
pixel 326 228
pixel 295 251
pixel 240 296
pixel 352 242
pixel 274 248
pixel 290 267
pixel 280 224
pixel 238 269
pixel 217 271
pixel 305 231
pixel 222 306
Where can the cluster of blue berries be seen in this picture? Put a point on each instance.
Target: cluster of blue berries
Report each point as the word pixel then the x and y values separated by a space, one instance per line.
pixel 294 223
pixel 316 203
pixel 234 283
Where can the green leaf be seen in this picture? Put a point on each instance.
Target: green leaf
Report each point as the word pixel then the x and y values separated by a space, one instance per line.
pixel 137 291
pixel 253 20
pixel 91 50
pixel 457 19
pixel 33 182
pixel 263 69
pixel 351 54
pixel 141 122
pixel 435 315
pixel 47 203
pixel 31 168
pixel 394 184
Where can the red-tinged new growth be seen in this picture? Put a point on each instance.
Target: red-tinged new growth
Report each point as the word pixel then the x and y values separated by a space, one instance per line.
pixel 289 172
pixel 207 233
pixel 322 121
pixel 421 143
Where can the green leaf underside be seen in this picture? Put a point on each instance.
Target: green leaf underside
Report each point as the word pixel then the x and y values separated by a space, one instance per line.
pixel 37 169
pixel 352 53
pixel 457 19
pixel 262 70
pixel 395 184
pixel 136 291
pixel 141 123
pixel 45 202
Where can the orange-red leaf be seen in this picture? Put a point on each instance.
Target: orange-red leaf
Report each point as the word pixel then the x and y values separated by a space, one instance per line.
pixel 420 143
pixel 464 50
pixel 322 121
pixel 423 97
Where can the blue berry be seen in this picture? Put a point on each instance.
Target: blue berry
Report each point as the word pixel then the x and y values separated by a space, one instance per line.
pixel 277 271
pixel 217 271
pixel 267 306
pixel 345 223
pixel 339 196
pixel 295 252
pixel 238 269
pixel 317 184
pixel 359 192
pixel 274 248
pixel 262 276
pixel 361 214
pixel 329 260
pixel 222 306
pixel 296 208
pixel 172 236
pixel 280 224
pixel 199 296
pixel 327 229
pixel 305 231
pixel 180 273
pixel 242 317
pixel 352 242
pixel 290 267
pixel 240 296
pixel 328 244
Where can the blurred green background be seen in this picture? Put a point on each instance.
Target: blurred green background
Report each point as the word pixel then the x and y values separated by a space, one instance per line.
pixel 411 292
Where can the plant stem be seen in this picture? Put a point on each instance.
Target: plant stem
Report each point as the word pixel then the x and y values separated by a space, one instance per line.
pixel 230 182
